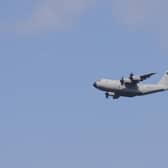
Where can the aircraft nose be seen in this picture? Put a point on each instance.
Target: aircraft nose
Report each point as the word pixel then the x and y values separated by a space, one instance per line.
pixel 94 84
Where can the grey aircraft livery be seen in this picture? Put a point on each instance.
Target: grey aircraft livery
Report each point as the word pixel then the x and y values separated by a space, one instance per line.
pixel 131 86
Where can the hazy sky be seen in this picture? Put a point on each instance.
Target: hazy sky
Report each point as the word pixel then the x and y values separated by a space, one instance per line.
pixel 51 53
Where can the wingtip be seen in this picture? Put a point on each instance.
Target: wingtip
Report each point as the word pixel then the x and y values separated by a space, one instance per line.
pixel 154 73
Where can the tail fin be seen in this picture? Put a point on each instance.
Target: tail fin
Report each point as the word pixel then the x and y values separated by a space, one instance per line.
pixel 164 80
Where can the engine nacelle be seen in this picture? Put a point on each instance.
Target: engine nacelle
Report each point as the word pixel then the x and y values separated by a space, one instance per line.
pixel 130 79
pixel 127 81
pixel 136 78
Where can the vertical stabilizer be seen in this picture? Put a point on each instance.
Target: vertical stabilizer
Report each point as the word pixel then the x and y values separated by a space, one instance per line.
pixel 164 80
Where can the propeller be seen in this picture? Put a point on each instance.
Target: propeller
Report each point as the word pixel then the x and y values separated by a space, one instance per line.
pixel 131 76
pixel 122 81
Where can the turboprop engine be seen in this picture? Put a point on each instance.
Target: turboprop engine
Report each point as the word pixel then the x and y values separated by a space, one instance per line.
pixel 130 79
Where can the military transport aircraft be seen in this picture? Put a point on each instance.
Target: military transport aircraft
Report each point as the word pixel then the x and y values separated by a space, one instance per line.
pixel 131 86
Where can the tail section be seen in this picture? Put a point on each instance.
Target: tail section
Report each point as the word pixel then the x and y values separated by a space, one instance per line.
pixel 164 80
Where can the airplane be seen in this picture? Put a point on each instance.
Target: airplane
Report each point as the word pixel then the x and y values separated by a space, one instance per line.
pixel 131 86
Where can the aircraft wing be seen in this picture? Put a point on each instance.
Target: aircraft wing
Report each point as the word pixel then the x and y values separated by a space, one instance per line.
pixel 145 76
pixel 133 80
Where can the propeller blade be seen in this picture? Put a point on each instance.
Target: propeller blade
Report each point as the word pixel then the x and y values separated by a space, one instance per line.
pixel 131 76
pixel 122 81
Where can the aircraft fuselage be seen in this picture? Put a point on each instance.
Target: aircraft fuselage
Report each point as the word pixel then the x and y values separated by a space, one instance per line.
pixel 128 90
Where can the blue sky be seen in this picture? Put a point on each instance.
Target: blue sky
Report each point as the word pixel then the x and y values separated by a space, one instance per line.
pixel 50 115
